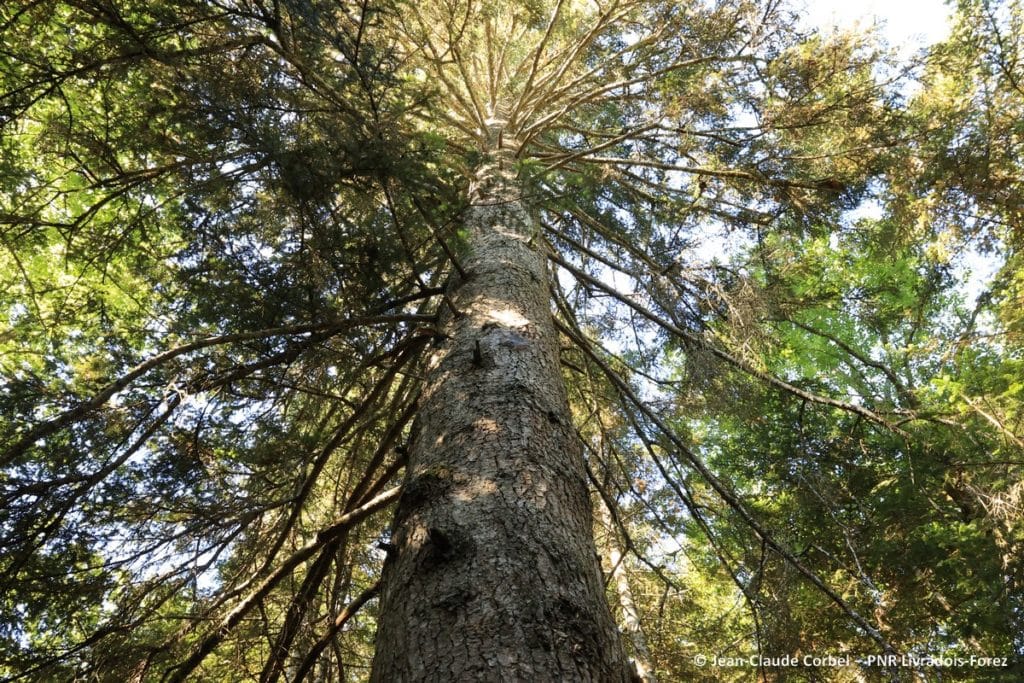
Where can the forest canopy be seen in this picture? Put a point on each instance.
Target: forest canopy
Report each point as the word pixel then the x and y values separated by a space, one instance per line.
pixel 786 270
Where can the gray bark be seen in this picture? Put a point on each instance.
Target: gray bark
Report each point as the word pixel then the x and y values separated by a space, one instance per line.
pixel 493 574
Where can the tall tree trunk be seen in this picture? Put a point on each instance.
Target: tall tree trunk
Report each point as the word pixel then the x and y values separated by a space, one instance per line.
pixel 493 573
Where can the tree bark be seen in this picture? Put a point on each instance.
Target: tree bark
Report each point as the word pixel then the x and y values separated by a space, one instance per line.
pixel 492 574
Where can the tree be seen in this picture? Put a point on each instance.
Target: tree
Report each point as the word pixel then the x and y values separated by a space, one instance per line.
pixel 271 268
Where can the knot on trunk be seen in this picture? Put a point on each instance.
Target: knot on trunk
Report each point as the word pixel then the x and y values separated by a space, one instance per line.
pixel 443 547
pixel 423 489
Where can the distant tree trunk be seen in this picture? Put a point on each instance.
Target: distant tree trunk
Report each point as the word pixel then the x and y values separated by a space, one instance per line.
pixel 493 574
pixel 630 614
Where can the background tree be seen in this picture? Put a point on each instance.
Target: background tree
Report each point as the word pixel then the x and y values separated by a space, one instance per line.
pixel 231 237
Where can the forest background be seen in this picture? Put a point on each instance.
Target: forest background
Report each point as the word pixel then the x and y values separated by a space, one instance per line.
pixel 783 265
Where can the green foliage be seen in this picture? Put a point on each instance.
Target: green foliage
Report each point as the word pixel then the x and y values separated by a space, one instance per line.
pixel 226 228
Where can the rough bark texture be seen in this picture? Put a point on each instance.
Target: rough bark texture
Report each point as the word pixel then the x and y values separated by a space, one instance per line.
pixel 493 574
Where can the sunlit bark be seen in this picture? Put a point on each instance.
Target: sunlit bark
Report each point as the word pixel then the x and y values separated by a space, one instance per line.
pixel 492 573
